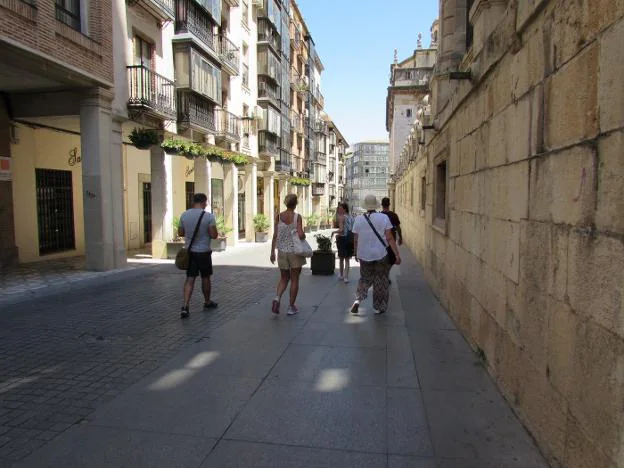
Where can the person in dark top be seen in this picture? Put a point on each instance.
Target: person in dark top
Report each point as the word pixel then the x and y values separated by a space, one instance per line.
pixel 394 220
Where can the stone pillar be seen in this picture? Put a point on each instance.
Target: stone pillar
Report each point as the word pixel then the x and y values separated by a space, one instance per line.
pixel 102 179
pixel 268 198
pixel 308 197
pixel 162 201
pixel 251 200
pixel 203 176
pixel 230 208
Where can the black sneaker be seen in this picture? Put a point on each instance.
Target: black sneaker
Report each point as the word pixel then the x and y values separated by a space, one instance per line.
pixel 355 307
pixel 210 305
pixel 184 313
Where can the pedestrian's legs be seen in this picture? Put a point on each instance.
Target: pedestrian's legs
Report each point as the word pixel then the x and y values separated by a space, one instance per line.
pixel 283 282
pixel 188 289
pixel 206 289
pixel 367 270
pixel 381 285
pixel 346 268
pixel 341 267
pixel 294 285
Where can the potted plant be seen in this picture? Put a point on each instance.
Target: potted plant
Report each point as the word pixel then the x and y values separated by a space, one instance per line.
pixel 220 243
pixel 144 138
pixel 172 146
pixel 323 258
pixel 261 226
pixel 176 243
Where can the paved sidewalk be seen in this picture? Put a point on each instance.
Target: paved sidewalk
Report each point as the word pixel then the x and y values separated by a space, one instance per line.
pixel 323 388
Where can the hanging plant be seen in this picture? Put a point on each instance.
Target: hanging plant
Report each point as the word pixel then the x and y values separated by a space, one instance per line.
pixel 172 146
pixel 193 150
pixel 238 159
pixel 144 138
pixel 299 181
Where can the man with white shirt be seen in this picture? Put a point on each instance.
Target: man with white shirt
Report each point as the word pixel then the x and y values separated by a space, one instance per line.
pixel 370 251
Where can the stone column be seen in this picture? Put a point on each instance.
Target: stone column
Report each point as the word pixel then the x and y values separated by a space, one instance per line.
pixel 268 199
pixel 230 208
pixel 162 201
pixel 251 199
pixel 102 180
pixel 203 176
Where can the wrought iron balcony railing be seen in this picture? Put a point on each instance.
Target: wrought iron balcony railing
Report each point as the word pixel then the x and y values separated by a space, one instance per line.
pixel 319 157
pixel 164 10
pixel 232 3
pixel 193 20
pixel 268 35
pixel 267 90
pixel 321 127
pixel 150 92
pixel 318 189
pixel 230 55
pixel 194 110
pixel 228 125
pixel 284 164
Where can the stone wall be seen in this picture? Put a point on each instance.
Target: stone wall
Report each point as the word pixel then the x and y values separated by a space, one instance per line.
pixel 528 256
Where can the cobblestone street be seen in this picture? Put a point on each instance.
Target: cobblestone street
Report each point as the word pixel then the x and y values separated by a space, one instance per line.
pixel 62 355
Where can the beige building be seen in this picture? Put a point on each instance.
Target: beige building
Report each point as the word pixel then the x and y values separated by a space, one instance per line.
pixel 514 207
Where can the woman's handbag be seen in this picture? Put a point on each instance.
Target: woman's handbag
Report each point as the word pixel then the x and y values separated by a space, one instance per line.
pixel 183 256
pixel 389 251
pixel 301 245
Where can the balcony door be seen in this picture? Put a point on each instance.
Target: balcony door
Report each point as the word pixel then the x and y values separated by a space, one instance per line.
pixel 143 87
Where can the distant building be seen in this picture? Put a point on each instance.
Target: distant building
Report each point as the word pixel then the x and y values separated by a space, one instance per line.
pixel 367 172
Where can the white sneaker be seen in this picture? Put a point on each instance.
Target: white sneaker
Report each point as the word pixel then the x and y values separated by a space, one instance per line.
pixel 346 280
pixel 291 311
pixel 339 277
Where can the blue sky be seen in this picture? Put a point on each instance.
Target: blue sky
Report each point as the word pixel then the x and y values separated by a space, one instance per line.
pixel 355 40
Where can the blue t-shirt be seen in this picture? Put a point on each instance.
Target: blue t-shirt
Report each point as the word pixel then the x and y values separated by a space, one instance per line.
pixel 188 221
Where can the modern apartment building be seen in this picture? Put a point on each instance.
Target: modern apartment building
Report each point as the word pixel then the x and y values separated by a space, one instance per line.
pixel 409 84
pixel 367 172
pixel 79 77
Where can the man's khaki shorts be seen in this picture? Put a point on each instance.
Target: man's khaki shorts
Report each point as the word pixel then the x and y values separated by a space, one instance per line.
pixel 288 260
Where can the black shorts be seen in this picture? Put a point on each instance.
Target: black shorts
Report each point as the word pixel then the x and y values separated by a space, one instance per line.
pixel 345 246
pixel 199 262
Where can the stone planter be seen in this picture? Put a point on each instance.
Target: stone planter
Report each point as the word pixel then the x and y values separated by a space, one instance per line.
pixel 173 248
pixel 323 263
pixel 219 244
pixel 262 236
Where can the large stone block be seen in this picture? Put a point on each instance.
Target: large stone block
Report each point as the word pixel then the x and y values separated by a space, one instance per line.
pixel 528 68
pixel 596 279
pixel 498 90
pixel 518 135
pixel 492 293
pixel 580 452
pixel 526 10
pixel 537 121
pixel 599 15
pixel 467 193
pixel 496 151
pixel 597 399
pixel 563 325
pixel 502 246
pixel 544 258
pixel 503 191
pixel 562 186
pixel 571 110
pixel 610 89
pixel 610 206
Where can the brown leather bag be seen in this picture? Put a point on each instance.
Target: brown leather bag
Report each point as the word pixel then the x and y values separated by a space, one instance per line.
pixel 183 256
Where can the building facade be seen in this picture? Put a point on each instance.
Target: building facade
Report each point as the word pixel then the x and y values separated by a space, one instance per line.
pixel 513 204
pixel 367 173
pixel 214 73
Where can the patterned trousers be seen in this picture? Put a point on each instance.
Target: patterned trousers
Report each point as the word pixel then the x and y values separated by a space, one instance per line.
pixel 377 275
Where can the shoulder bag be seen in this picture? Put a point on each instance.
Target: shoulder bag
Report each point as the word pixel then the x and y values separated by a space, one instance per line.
pixel 301 245
pixel 389 251
pixel 183 256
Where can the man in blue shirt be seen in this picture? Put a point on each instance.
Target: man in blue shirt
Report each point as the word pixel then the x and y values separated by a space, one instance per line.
pixel 200 254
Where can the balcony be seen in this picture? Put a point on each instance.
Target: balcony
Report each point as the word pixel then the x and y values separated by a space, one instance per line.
pixel 296 122
pixel 193 20
pixel 232 3
pixel 320 157
pixel 411 77
pixel 294 77
pixel 321 127
pixel 150 92
pixel 268 147
pixel 318 97
pixel 163 10
pixel 228 126
pixel 267 35
pixel 318 189
pixel 196 111
pixel 268 91
pixel 284 164
pixel 230 56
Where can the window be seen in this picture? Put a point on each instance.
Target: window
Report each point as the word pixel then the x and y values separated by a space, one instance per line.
pixel 189 191
pixel 206 78
pixel 408 113
pixel 423 193
pixel 68 12
pixel 55 210
pixel 440 193
pixel 143 52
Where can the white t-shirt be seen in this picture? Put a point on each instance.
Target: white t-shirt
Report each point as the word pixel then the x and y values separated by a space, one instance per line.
pixel 188 220
pixel 369 248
